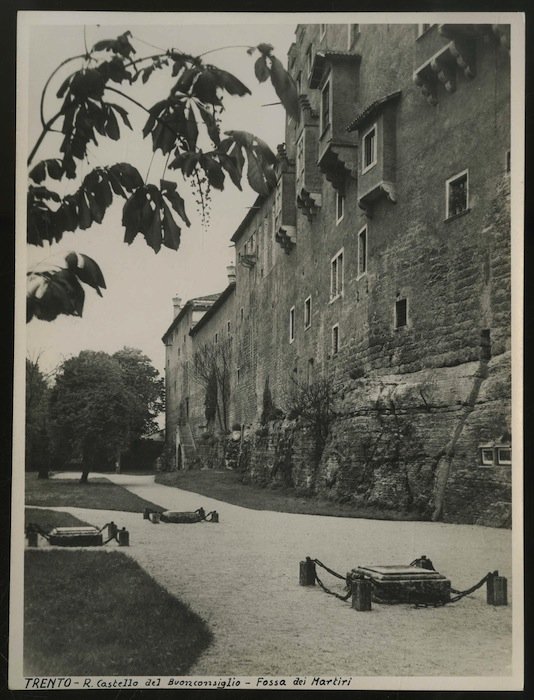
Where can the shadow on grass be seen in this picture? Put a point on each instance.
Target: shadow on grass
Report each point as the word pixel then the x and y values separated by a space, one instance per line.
pixel 48 519
pixel 227 486
pixel 96 493
pixel 98 613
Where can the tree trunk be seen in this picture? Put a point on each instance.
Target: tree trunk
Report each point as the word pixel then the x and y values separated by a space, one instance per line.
pixel 84 477
pixel 118 463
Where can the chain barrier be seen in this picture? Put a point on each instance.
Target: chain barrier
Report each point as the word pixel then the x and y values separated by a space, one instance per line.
pixel 459 594
pixel 333 573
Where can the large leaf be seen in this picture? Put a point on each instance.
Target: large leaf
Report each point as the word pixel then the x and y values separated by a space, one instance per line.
pixel 255 176
pixel 285 87
pixel 261 69
pixel 120 45
pixel 214 171
pixel 53 293
pixel 87 270
pixel 168 189
pixel 51 167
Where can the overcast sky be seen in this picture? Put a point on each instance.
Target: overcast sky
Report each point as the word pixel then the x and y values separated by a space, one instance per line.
pixel 137 305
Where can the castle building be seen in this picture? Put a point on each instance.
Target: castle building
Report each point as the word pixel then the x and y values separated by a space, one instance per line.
pixel 381 263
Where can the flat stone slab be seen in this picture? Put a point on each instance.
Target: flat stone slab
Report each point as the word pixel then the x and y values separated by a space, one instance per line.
pixel 405 584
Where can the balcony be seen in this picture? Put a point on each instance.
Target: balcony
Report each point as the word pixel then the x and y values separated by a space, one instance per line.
pixel 376 129
pixel 336 75
pixel 440 53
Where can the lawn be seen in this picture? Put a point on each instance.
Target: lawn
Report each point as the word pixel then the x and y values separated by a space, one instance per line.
pixel 96 493
pixel 48 519
pixel 226 486
pixel 98 613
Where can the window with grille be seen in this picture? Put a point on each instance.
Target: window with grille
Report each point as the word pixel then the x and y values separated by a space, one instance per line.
pixel 457 194
pixel 369 149
pixel 336 276
pixel 362 252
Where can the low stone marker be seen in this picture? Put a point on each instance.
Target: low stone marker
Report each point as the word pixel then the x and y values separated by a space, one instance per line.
pixel 497 589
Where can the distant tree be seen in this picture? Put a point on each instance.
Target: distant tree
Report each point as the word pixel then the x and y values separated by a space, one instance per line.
pixel 184 125
pixel 37 442
pixel 90 411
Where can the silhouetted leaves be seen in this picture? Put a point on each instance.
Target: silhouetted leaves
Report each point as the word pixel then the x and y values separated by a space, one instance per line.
pixel 284 85
pixel 260 159
pixel 121 45
pixel 147 213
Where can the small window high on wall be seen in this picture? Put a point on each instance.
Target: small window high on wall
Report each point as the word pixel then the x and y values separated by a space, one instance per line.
pixel 335 339
pixel 291 324
pixel 457 194
pixel 362 252
pixel 401 313
pixel 369 154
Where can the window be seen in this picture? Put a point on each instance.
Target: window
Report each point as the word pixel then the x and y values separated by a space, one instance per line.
pixel 228 327
pixel 486 456
pixel 300 157
pixel 241 313
pixel 291 324
pixel 508 162
pixel 307 313
pixel 369 149
pixel 362 252
pixel 216 337
pixel 309 59
pixel 494 455
pixel 401 313
pixel 325 107
pixel 336 276
pixel 340 206
pixel 457 194
pixel 335 339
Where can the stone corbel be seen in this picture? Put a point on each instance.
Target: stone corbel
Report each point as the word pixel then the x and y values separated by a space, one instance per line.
pixel 445 72
pixel 428 87
pixel 464 56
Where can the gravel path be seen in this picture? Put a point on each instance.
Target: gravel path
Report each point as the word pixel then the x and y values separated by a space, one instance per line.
pixel 241 576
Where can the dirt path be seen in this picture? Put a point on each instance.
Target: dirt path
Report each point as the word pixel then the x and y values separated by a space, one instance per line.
pixel 241 576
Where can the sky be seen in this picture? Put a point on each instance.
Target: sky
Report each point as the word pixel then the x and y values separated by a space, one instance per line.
pixel 136 307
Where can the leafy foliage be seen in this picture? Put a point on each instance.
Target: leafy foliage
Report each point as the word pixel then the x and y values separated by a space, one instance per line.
pixel 185 126
pixel 100 404
pixel 313 403
pixel 59 291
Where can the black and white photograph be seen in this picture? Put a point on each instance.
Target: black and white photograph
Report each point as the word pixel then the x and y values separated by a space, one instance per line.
pixel 268 351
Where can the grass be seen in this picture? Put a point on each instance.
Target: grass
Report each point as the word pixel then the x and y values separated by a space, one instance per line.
pixel 98 613
pixel 48 519
pixel 97 493
pixel 227 486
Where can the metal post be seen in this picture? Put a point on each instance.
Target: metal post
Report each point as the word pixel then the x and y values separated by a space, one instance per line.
pixel 362 590
pixel 497 589
pixel 215 517
pixel 124 537
pixel 112 530
pixel 146 514
pixel 307 572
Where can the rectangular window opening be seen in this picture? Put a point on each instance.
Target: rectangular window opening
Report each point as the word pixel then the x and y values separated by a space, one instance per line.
pixel 300 157
pixel 362 252
pixel 307 312
pixel 401 313
pixel 336 276
pixel 340 206
pixel 291 324
pixel 369 149
pixel 335 339
pixel 457 195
